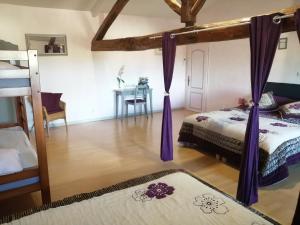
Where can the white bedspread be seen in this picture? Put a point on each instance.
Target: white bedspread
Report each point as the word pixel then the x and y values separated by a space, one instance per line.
pixel 273 132
pixel 188 202
pixel 15 138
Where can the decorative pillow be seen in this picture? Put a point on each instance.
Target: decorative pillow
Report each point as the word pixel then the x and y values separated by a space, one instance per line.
pixel 291 110
pixel 282 100
pixel 267 102
pixel 9 161
pixel 51 102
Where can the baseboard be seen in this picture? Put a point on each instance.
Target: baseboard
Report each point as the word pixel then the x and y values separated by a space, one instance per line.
pixel 74 122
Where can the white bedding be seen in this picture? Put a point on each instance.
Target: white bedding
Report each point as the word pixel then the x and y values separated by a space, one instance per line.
pixel 189 202
pixel 277 132
pixel 15 138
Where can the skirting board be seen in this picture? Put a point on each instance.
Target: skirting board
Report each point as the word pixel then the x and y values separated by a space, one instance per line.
pixel 74 122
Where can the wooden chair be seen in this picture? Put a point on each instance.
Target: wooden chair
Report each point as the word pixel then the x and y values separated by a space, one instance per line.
pixel 140 99
pixel 49 117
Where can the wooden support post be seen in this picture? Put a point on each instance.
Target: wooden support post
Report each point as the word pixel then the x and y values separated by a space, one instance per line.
pixel 110 18
pixel 21 114
pixel 186 13
pixel 197 7
pixel 175 6
pixel 39 126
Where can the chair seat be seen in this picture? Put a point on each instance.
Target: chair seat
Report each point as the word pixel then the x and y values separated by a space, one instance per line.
pixel 55 111
pixel 131 101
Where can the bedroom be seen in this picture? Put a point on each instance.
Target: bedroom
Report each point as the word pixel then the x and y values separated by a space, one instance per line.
pixel 87 80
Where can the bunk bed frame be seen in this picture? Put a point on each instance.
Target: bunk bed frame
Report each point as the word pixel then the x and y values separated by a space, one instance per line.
pixel 29 74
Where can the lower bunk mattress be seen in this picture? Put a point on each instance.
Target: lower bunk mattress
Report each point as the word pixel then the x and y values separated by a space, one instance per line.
pixel 15 138
pixel 168 198
pixel 223 132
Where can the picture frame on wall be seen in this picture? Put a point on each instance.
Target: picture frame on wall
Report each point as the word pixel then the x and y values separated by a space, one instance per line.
pixel 47 44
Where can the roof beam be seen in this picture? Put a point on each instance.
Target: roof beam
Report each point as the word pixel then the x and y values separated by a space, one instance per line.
pixel 110 18
pixel 186 13
pixel 197 7
pixel 175 6
pixel 223 32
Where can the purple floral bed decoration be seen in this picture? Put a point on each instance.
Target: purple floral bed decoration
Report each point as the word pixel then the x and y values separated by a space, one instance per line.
pixel 226 110
pixel 158 191
pixel 201 118
pixel 237 118
pixel 263 131
pixel 295 106
pixel 279 124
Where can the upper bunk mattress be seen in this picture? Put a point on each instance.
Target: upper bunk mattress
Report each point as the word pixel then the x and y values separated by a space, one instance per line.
pixel 15 138
pixel 14 83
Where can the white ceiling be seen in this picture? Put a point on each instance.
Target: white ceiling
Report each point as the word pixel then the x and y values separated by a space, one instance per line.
pixel 153 8
pixel 158 8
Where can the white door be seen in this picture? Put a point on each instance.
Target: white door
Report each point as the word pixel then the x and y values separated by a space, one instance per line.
pixel 196 76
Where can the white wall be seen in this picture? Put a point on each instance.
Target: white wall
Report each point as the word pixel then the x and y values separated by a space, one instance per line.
pixel 229 62
pixel 86 78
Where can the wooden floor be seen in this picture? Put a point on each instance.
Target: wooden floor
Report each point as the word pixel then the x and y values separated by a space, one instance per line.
pixel 98 154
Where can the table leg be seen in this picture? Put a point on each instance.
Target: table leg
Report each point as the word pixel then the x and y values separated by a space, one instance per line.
pixel 151 106
pixel 122 106
pixel 117 105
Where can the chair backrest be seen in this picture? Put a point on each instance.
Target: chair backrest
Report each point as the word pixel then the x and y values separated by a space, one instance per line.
pixel 141 91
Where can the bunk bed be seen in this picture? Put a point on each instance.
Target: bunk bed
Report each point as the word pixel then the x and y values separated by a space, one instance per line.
pixel 17 82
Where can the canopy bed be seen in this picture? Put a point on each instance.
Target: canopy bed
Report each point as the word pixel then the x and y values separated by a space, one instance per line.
pixel 146 200
pixel 222 132
pixel 23 169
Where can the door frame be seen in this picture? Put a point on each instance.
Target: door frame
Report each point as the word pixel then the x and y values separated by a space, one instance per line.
pixel 189 50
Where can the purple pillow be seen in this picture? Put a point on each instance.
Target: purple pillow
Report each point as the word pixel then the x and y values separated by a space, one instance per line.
pixel 51 101
pixel 282 100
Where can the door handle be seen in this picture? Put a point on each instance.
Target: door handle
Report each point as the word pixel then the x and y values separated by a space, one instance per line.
pixel 188 81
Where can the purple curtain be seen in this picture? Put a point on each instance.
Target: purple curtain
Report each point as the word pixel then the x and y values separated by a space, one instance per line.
pixel 264 37
pixel 297 19
pixel 168 53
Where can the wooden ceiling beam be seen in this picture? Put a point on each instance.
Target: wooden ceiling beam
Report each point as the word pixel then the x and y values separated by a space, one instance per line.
pixel 223 32
pixel 198 5
pixel 186 13
pixel 110 18
pixel 145 43
pixel 175 6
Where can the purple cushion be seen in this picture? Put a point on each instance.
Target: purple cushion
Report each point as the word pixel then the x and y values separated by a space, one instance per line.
pixel 51 101
pixel 282 100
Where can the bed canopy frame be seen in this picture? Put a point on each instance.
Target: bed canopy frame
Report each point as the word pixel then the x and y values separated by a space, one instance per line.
pixel 20 83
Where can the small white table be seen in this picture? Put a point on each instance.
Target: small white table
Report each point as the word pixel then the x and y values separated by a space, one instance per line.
pixel 122 93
